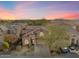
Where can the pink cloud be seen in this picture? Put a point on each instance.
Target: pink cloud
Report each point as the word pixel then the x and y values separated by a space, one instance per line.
pixel 5 14
pixel 19 12
pixel 72 15
pixel 65 15
pixel 21 9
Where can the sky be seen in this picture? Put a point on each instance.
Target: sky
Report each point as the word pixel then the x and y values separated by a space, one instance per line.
pixel 39 9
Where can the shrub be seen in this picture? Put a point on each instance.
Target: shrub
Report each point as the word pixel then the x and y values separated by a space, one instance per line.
pixel 5 45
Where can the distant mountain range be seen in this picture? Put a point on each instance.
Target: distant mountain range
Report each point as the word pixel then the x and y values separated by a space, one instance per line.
pixel 53 21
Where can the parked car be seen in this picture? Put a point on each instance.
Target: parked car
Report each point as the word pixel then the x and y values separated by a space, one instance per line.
pixel 64 50
pixel 72 48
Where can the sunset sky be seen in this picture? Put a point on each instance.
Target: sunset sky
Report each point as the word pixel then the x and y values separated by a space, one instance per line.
pixel 39 9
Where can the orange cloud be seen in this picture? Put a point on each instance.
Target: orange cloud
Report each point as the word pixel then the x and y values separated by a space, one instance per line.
pixel 19 12
pixel 71 16
pixel 4 14
pixel 66 15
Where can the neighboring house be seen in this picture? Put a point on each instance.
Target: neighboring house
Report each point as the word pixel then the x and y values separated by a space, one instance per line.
pixel 74 39
pixel 15 29
pixel 25 40
pixel 31 34
pixel 28 38
pixel 12 33
pixel 3 30
pixel 3 27
pixel 1 34
pixel 74 35
pixel 1 38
